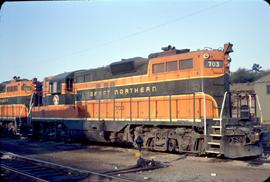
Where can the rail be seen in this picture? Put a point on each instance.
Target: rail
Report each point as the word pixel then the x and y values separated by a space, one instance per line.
pixel 6 168
pixel 47 171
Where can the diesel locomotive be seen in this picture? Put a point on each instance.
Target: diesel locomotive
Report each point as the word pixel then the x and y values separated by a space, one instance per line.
pixel 17 97
pixel 176 100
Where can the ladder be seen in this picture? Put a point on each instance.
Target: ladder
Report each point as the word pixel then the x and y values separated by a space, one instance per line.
pixel 213 137
pixel 213 133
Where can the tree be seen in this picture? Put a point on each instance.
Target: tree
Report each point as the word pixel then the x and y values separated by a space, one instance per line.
pixel 243 75
pixel 256 68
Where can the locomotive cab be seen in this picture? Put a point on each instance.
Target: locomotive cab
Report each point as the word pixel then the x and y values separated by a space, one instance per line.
pixel 59 89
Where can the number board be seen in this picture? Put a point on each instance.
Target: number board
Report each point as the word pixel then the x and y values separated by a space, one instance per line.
pixel 213 64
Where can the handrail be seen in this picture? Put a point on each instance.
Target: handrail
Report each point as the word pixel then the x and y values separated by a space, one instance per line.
pixel 204 111
pixel 204 121
pixel 249 102
pixel 20 120
pixel 30 103
pixel 29 114
pixel 204 114
pixel 221 112
pixel 259 105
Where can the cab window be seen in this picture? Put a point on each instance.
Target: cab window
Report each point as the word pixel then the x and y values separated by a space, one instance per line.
pixel 185 64
pixel 2 88
pixel 55 87
pixel 158 68
pixel 171 66
pixel 12 89
pixel 26 88
pixel 80 79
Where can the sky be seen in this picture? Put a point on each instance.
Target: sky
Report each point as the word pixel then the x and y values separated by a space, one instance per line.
pixel 38 39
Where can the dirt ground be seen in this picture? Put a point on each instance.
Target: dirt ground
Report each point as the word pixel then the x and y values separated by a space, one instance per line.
pixel 180 168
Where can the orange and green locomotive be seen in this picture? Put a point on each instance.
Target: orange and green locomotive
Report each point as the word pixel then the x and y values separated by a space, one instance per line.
pixel 175 100
pixel 17 97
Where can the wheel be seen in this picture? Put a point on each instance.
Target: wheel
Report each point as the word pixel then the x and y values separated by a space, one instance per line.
pixel 152 144
pixel 171 145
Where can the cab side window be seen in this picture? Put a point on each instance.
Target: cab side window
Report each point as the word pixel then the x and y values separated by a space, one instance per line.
pixel 26 88
pixel 2 88
pixel 55 88
pixel 172 66
pixel 12 89
pixel 186 64
pixel 158 68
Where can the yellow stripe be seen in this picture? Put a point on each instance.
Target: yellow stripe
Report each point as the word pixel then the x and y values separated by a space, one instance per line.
pixel 12 105
pixel 53 118
pixel 14 96
pixel 136 83
pixel 121 119
pixel 58 105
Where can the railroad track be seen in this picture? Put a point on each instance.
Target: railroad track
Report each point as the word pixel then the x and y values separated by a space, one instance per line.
pixel 29 169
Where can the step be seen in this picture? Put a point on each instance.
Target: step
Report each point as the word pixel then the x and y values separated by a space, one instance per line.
pixel 216 127
pixel 212 151
pixel 215 135
pixel 213 143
